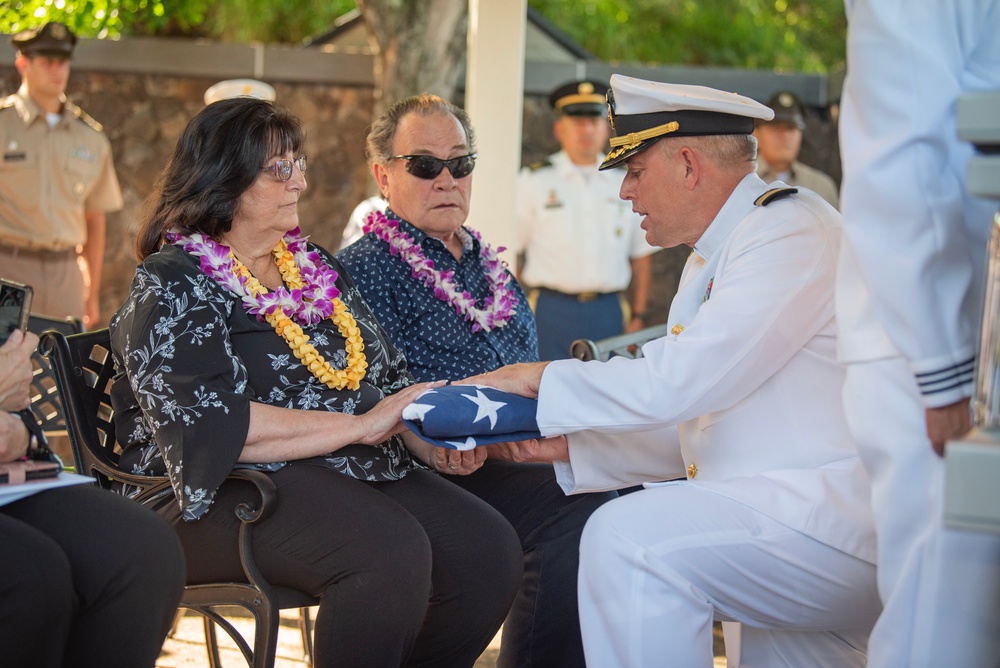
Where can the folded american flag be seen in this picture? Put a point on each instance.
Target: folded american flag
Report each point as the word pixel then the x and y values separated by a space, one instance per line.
pixel 462 417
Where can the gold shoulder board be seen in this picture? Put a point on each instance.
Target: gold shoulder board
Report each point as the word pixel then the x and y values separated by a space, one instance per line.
pixel 774 195
pixel 86 118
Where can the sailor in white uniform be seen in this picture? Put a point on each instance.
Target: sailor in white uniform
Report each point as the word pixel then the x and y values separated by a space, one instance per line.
pixel 909 299
pixel 756 508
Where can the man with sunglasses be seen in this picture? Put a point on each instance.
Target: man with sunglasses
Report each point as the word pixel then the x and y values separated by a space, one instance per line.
pixel 450 304
pixel 57 181
pixel 579 245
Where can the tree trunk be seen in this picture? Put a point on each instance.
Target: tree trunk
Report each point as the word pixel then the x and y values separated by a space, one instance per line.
pixel 419 47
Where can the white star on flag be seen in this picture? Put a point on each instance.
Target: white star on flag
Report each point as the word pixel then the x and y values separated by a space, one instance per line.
pixel 468 444
pixel 417 411
pixel 485 407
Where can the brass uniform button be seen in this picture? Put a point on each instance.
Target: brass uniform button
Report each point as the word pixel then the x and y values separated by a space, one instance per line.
pixel 78 188
pixel 692 470
pixel 676 329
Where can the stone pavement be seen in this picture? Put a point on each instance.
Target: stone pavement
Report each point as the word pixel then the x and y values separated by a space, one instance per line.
pixel 186 648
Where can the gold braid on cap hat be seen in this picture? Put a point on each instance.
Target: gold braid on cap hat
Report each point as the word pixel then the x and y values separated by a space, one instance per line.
pixel 633 139
pixel 577 98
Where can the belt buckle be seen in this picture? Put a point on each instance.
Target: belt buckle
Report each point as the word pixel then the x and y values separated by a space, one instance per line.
pixel 584 297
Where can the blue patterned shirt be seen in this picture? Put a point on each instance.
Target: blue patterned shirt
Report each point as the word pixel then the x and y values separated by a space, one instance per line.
pixel 437 341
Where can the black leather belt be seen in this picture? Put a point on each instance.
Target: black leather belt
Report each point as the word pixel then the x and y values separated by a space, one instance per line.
pixel 38 253
pixel 581 297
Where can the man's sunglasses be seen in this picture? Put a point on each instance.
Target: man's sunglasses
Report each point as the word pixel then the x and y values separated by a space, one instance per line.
pixel 282 169
pixel 428 167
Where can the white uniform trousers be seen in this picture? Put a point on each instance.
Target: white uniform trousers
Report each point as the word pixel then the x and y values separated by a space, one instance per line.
pixel 940 587
pixel 659 565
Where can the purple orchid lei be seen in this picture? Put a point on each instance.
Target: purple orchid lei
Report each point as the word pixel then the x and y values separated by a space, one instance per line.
pixel 308 305
pixel 498 307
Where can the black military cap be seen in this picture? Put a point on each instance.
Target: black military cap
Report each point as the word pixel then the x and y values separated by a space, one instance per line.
pixel 788 108
pixel 53 39
pixel 580 98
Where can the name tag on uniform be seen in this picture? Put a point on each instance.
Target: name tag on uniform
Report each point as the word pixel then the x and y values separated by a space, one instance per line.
pixel 83 154
pixel 14 157
pixel 553 201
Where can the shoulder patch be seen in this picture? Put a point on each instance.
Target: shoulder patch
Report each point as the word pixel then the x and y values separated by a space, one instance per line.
pixel 535 166
pixel 774 195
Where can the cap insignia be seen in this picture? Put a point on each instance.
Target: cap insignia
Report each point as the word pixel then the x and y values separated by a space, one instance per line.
pixel 785 100
pixel 58 31
pixel 585 88
pixel 614 153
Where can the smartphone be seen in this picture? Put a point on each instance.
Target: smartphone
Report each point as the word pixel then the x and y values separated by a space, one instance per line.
pixel 14 473
pixel 15 307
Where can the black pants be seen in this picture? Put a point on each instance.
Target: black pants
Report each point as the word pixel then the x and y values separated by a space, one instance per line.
pixel 410 572
pixel 89 579
pixel 543 627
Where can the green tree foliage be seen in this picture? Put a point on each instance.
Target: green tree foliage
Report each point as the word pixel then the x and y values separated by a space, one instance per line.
pixel 269 21
pixel 782 35
pixel 106 18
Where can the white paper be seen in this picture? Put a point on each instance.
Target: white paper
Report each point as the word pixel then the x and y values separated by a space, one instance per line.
pixel 12 493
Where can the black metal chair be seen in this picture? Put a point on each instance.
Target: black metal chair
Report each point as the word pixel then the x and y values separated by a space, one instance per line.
pixel 84 368
pixel 623 345
pixel 45 402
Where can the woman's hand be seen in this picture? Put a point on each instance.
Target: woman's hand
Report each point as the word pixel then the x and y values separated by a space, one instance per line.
pixel 15 370
pixel 445 460
pixel 385 419
pixel 14 437
pixel 522 379
pixel 536 450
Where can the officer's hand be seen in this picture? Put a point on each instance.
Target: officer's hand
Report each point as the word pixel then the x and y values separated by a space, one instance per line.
pixel 947 423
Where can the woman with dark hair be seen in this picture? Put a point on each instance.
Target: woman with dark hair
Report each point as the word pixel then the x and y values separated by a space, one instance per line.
pixel 243 345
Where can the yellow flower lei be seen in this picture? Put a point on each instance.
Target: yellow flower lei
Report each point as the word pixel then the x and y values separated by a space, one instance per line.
pixel 298 340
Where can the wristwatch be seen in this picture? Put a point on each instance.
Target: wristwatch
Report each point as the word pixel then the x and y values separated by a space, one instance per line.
pixel 38 445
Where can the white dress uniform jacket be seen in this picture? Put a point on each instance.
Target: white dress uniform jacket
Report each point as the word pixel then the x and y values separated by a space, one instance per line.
pixel 578 234
pixel 743 397
pixel 914 287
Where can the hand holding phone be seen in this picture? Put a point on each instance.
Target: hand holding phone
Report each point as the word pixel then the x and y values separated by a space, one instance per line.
pixel 15 349
pixel 15 307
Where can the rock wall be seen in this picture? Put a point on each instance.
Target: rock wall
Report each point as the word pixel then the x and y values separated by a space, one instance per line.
pixel 143 115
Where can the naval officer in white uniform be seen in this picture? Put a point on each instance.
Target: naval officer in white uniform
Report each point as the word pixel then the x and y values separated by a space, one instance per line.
pixel 769 523
pixel 909 299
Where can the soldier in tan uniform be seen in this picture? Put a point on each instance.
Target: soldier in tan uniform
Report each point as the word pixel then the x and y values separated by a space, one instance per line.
pixel 778 145
pixel 57 182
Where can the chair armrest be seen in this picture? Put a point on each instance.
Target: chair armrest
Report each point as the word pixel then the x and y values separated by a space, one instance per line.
pixel 624 345
pixel 249 514
pixel 246 511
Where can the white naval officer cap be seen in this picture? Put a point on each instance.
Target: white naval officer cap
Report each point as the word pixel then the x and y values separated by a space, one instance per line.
pixel 642 112
pixel 239 88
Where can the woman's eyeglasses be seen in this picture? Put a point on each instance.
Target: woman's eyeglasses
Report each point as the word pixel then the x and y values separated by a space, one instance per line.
pixel 282 169
pixel 428 167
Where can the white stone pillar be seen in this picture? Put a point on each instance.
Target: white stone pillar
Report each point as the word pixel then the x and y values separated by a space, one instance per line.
pixel 494 90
